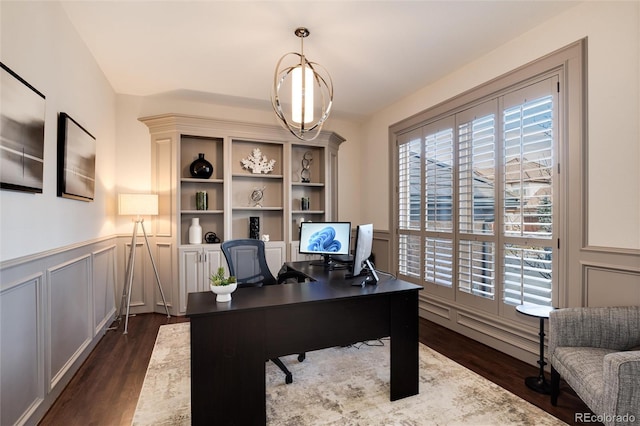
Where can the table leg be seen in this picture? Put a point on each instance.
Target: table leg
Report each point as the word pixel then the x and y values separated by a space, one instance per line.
pixel 404 345
pixel 228 370
pixel 540 384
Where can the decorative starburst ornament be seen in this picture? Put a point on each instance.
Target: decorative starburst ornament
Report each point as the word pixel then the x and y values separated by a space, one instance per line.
pixel 257 162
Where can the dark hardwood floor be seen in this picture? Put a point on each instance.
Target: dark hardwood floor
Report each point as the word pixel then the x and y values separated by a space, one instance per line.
pixel 502 369
pixel 105 390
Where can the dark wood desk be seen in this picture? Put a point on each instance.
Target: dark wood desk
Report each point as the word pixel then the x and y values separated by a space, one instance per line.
pixel 230 342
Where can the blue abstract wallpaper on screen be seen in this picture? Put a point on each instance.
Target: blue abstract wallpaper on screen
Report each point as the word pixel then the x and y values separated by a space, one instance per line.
pixel 324 240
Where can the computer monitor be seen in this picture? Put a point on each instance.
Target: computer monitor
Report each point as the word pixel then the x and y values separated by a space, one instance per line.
pixel 325 238
pixel 362 249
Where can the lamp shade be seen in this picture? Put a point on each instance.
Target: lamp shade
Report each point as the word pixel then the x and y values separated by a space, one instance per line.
pixel 138 204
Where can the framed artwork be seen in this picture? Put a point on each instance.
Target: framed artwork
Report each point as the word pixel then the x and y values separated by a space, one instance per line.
pixel 76 160
pixel 22 115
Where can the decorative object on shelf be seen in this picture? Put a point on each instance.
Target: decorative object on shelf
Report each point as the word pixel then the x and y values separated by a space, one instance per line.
pixel 257 162
pixel 256 196
pixel 195 231
pixel 137 205
pixel 201 168
pixel 211 238
pixel 202 200
pixel 22 133
pixel 304 203
pixel 254 227
pixel 316 87
pixel 221 286
pixel 305 174
pixel 265 238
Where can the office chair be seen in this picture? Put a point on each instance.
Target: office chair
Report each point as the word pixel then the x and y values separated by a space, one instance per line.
pixel 247 261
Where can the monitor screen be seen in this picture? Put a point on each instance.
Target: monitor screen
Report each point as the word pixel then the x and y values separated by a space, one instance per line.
pixel 364 241
pixel 326 238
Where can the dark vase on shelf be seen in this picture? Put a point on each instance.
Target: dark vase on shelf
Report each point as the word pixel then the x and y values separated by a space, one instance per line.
pixel 201 168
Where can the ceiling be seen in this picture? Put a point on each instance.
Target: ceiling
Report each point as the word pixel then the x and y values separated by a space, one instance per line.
pixel 226 51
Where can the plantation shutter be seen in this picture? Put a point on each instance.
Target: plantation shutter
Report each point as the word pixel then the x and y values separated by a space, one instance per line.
pixel 476 200
pixel 409 203
pixel 438 190
pixel 528 194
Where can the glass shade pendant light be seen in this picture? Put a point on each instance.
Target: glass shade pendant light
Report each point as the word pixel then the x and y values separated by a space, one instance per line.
pixel 302 92
pixel 311 92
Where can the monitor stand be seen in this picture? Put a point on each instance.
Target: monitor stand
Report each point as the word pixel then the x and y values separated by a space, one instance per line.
pixel 328 263
pixel 368 275
pixel 372 272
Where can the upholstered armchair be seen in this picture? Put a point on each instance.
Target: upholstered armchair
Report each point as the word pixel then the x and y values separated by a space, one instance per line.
pixel 597 352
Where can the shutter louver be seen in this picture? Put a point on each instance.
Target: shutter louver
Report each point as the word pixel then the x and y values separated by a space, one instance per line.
pixel 438 261
pixel 439 180
pixel 476 268
pixel 527 275
pixel 476 177
pixel 409 255
pixel 409 185
pixel 528 157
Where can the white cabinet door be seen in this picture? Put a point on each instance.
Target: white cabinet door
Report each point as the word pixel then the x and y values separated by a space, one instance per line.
pixel 197 263
pixel 190 271
pixel 275 254
pixel 213 259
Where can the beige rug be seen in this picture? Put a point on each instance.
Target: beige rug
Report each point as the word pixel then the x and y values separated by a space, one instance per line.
pixel 340 386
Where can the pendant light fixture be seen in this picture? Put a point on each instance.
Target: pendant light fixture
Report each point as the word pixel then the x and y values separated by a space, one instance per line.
pixel 310 89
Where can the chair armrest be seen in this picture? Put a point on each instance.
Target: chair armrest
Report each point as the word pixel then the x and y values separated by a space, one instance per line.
pixel 612 327
pixel 622 384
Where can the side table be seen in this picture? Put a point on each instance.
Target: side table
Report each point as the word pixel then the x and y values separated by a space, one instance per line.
pixel 538 384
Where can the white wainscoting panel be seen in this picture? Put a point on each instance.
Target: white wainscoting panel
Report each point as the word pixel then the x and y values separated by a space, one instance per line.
pixel 166 261
pixel 54 308
pixel 139 296
pixel 104 276
pixel 611 286
pixel 69 306
pixel 22 345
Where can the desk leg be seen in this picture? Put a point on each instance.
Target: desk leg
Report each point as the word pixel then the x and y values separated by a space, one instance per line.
pixel 228 370
pixel 404 345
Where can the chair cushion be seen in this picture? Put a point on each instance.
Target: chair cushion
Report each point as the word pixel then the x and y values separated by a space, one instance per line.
pixel 583 369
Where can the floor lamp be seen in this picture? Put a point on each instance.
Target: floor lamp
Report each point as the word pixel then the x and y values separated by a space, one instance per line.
pixel 137 205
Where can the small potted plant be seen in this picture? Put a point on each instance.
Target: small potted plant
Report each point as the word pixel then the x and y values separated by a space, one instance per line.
pixel 221 286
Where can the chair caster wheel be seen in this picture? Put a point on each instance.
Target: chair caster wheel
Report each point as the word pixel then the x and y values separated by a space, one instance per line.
pixel 288 379
pixel 301 357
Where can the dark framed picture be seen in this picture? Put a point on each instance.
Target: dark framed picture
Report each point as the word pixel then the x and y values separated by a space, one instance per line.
pixel 22 115
pixel 76 160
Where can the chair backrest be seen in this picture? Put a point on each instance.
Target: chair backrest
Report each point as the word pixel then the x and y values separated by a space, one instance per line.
pixel 247 261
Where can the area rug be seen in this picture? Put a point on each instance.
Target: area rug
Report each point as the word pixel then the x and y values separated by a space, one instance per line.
pixel 340 386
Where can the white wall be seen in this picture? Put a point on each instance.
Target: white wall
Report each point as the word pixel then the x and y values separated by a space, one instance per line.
pixel 57 255
pixel 613 126
pixel 39 44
